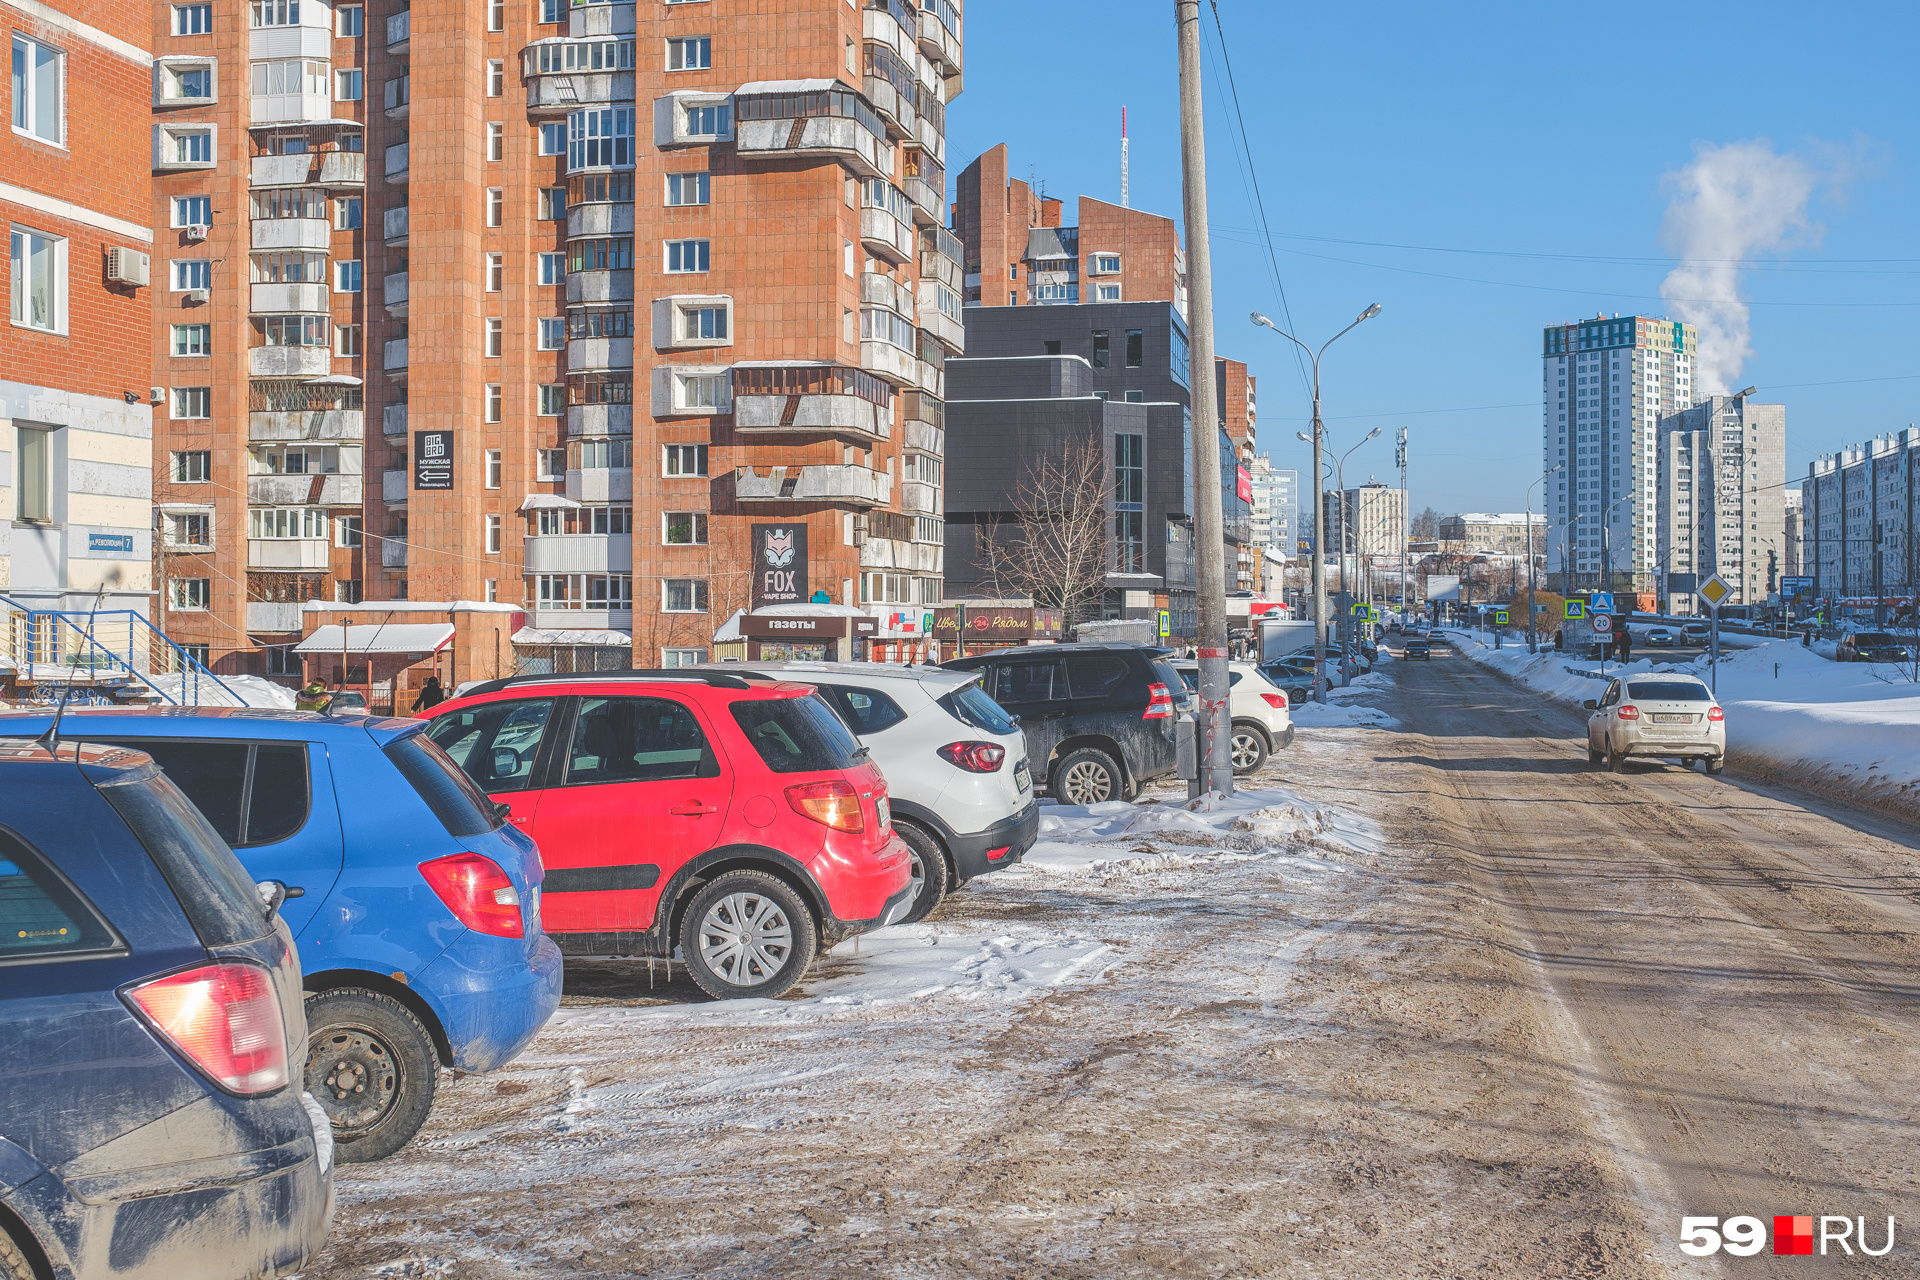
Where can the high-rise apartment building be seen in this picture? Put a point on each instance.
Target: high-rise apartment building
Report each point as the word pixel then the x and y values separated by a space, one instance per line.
pixel 75 371
pixel 1792 533
pixel 1605 383
pixel 1375 517
pixel 1718 501
pixel 1276 527
pixel 1861 513
pixel 660 299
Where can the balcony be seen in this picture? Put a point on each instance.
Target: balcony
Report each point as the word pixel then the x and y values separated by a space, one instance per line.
pixel 924 436
pixel 343 169
pixel 393 288
pixel 600 219
pixel 814 137
pixel 930 376
pixel 288 553
pixel 331 489
pixel 334 169
pixel 394 358
pixel 883 291
pixel 926 131
pixel 558 92
pixel 599 419
pixel 315 424
pixel 579 553
pixel 917 406
pixel 940 36
pixel 884 360
pixel 886 236
pixel 810 398
pixel 600 484
pixel 273 617
pixel 928 204
pixel 393 420
pixel 280 171
pixel 393 486
pixel 940 325
pixel 400 32
pixel 289 362
pixel 397 162
pixel 587 355
pixel 600 286
pixel 291 108
pixel 895 107
pixel 274 299
pixel 891 23
pixel 393 553
pixel 292 233
pixel 919 499
pixel 393 225
pixel 940 254
pixel 837 483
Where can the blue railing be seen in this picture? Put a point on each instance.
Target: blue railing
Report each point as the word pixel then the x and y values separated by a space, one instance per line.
pixel 44 643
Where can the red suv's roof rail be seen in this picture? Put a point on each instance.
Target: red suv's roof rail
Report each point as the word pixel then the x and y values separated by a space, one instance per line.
pixel 717 679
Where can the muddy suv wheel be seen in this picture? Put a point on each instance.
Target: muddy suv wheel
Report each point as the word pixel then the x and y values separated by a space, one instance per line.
pixel 373 1070
pixel 747 934
pixel 1088 777
pixel 1249 750
pixel 930 879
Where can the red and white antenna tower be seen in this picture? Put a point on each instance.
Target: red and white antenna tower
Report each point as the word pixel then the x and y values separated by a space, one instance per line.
pixel 1123 158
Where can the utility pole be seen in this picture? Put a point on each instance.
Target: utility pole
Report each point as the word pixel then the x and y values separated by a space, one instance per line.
pixel 1406 515
pixel 1210 586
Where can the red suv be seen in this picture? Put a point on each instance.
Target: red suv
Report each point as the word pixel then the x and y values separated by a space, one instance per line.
pixel 736 819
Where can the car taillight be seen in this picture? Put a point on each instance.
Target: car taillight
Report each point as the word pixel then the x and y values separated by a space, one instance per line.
pixel 478 893
pixel 836 804
pixel 974 757
pixel 1159 703
pixel 1278 701
pixel 1715 713
pixel 1629 712
pixel 225 1019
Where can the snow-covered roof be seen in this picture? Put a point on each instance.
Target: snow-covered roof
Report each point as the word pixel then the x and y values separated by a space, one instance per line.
pixel 540 635
pixel 403 637
pixel 793 86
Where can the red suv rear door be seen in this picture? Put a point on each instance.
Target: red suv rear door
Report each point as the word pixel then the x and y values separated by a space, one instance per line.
pixel 639 788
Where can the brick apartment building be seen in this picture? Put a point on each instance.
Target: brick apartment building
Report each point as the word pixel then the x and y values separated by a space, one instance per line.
pixel 75 424
pixel 649 302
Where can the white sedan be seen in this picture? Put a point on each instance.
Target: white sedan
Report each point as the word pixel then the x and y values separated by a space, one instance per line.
pixel 1262 722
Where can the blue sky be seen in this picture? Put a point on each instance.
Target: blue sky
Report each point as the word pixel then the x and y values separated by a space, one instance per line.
pixel 1520 152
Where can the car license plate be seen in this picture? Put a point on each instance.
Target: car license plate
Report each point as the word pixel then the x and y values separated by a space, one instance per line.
pixel 1022 778
pixel 886 811
pixel 1671 717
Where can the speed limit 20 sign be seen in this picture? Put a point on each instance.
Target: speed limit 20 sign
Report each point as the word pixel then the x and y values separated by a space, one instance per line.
pixel 1602 624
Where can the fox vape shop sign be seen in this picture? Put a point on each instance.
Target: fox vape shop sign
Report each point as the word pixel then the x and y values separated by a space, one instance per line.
pixel 779 564
pixel 433 459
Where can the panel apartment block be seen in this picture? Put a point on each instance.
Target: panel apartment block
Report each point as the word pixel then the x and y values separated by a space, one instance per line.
pixel 1721 469
pixel 75 369
pixel 1859 514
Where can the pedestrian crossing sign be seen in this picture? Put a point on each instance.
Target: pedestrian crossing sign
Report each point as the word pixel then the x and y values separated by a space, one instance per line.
pixel 1500 618
pixel 1576 609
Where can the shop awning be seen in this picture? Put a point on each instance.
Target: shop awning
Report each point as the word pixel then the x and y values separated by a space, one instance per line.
pixel 405 637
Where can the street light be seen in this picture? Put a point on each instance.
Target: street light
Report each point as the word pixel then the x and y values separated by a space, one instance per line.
pixel 1533 645
pixel 1346 591
pixel 1319 516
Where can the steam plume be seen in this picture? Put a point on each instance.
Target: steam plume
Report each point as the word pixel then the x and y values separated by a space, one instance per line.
pixel 1730 203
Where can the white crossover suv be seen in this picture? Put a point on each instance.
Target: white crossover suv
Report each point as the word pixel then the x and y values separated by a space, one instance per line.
pixel 1262 721
pixel 1671 716
pixel 956 765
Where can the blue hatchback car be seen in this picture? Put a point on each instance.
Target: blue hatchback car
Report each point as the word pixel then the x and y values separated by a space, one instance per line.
pixel 151 1034
pixel 416 908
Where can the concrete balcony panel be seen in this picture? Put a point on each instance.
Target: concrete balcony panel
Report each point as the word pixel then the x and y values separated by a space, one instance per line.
pixel 882 291
pixel 878 24
pixel 318 424
pixel 579 553
pixel 292 233
pixel 343 169
pixel 941 327
pixel 393 420
pixel 929 205
pixel 600 286
pixel 841 415
pixel 396 162
pixel 393 225
pixel 816 137
pixel 566 90
pixel 289 362
pixel 273 299
pixel 836 483
pixel 394 292
pixel 919 499
pixel 273 617
pixel 886 236
pixel 599 419
pixel 930 377
pixel 600 219
pixel 399 31
pixel 893 106
pixel 393 485
pixel 939 267
pixel 393 553
pixel 939 43
pixel 908 557
pixel 600 484
pixel 288 553
pixel 394 358
pixel 928 135
pixel 332 489
pixel 291 108
pixel 924 437
pixel 600 20
pixel 585 355
pixel 280 171
pixel 887 361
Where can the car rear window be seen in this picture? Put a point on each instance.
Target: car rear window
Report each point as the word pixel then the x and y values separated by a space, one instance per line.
pixel 1095 675
pixel 872 710
pixel 42 916
pixel 1668 691
pixel 972 707
pixel 213 888
pixel 463 809
pixel 797 735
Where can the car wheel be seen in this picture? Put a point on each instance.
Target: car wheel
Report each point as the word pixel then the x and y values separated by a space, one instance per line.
pixel 1593 756
pixel 1616 760
pixel 1715 765
pixel 1300 696
pixel 1088 777
pixel 930 879
pixel 14 1263
pixel 372 1067
pixel 747 934
pixel 1249 748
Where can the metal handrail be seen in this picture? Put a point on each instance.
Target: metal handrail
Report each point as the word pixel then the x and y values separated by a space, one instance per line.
pixel 31 632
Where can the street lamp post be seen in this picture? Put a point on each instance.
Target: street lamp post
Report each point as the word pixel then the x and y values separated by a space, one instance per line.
pixel 1319 515
pixel 1346 588
pixel 1533 645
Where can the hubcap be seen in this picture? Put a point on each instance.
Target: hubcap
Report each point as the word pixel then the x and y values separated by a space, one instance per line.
pixel 1087 783
pixel 746 939
pixel 1245 751
pixel 918 880
pixel 353 1075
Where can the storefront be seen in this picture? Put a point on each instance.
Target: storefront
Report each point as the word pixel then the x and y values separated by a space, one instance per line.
pixel 968 629
pixel 811 632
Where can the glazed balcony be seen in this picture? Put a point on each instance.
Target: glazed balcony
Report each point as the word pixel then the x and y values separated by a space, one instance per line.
pixel 579 553
pixel 942 322
pixel 842 484
pixel 288 553
pixel 769 399
pixel 310 297
pixel 939 34
pixel 812 125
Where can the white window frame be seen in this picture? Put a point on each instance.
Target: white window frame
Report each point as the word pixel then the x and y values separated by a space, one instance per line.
pixel 679 47
pixel 27 104
pixel 496 141
pixel 677 184
pixel 552 394
pixel 669 459
pixel 496 15
pixel 170 521
pixel 697 249
pixel 494 527
pixel 494 337
pixel 495 406
pixel 183 592
pixel 494 465
pixel 350 21
pixel 341 222
pixel 553 333
pixel 348 275
pixel 552 131
pixel 183 26
pixel 180 202
pixel 549 472
pixel 699 528
pixel 553 204
pixel 496 264
pixel 178 466
pixel 349 531
pixel 180 273
pixel 496 205
pixel 178 331
pixel 697 594
pixel 167 139
pixel 20 239
pixel 496 77
pixel 670 659
pixel 349 84
pixel 167 72
pixel 180 400
pixel 347 340
pixel 34 497
pixel 551 269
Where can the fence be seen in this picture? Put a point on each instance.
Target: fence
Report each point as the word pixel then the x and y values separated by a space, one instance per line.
pixel 107 646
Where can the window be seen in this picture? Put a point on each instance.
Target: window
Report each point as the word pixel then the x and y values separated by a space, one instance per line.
pixel 192 211
pixel 192 402
pixel 346 339
pixel 600 323
pixel 553 139
pixel 348 86
pixel 553 204
pixel 685 460
pixel 496 77
pixel 1135 397
pixel 600 388
pixel 494 401
pixel 35 498
pixel 187 82
pixel 41 914
pixel 194 466
pixel 703 322
pixel 496 272
pixel 287 522
pixel 350 590
pixel 1136 348
pixel 552 11
pixel 496 205
pixel 189 593
pixel 553 268
pixel 552 464
pixel 600 188
pixel 880 325
pixel 582 591
pixel 553 332
pixel 291 75
pixel 600 255
pixel 346 213
pixel 493 525
pixel 683 595
pixel 276 13
pixel 683 528
pixel 290 202
pixel 700 391
pixel 602 136
pixel 1106 293
pixel 496 140
pixel 347 531
pixel 709 122
pixel 1106 262
pixel 349 21
pixel 294 331
pixel 493 455
pixel 604 453
pixel 553 399
pixel 1099 348
pixel 192 339
pixel 493 335
pixel 187 145
pixel 192 273
pixel 37 73
pixel 39 283
pixel 691 53
pixel 688 188
pixel 583 520
pixel 346 276
pixel 847 258
pixel 670 659
pixel 192 19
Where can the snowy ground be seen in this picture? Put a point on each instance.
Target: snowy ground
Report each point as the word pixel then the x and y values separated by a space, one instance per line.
pixel 250 691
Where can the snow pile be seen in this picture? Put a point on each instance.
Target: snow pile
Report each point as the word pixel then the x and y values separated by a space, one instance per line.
pixel 1344 708
pixel 251 691
pixel 1269 822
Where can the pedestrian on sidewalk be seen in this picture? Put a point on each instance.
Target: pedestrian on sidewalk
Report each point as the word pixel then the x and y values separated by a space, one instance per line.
pixel 313 698
pixel 1559 641
pixel 431 695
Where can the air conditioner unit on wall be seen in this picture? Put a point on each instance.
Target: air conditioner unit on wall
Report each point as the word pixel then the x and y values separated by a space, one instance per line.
pixel 197 231
pixel 127 266
pixel 198 297
pixel 157 395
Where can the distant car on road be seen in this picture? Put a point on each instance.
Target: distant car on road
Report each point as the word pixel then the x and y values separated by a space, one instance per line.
pixel 1663 717
pixel 1695 632
pixel 1292 676
pixel 1660 637
pixel 1873 646
pixel 1418 647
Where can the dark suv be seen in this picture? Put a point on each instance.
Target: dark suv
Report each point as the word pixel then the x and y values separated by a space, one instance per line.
pixel 1099 718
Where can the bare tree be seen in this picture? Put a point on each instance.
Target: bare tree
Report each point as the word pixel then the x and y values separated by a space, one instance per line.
pixel 1056 550
pixel 1425 526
